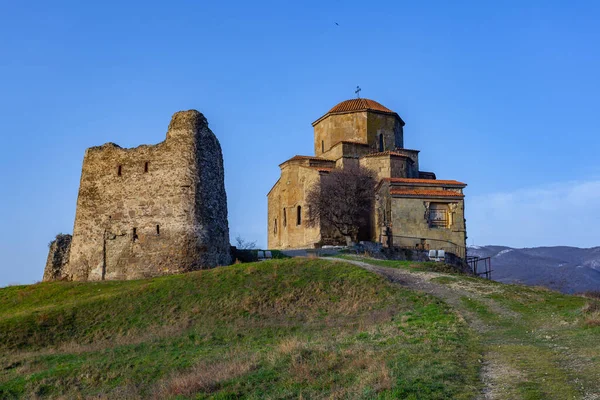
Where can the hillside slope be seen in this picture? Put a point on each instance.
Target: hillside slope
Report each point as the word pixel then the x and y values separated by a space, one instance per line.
pixel 298 328
pixel 567 269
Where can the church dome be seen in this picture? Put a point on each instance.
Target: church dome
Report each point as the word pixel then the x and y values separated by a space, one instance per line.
pixel 359 105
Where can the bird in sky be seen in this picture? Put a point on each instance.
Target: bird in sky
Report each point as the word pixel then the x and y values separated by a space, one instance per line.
pixel 337 24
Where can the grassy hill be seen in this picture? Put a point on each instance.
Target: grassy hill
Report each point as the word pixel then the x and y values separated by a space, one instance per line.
pixel 297 328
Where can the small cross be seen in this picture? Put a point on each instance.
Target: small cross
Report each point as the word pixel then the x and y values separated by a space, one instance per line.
pixel 357 91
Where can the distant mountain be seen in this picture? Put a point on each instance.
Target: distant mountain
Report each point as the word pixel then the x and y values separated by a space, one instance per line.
pixel 567 269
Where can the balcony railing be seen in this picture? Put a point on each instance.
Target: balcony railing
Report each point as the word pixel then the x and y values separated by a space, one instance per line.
pixel 438 219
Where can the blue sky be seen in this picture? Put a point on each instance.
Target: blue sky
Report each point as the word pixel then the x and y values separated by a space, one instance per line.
pixel 501 95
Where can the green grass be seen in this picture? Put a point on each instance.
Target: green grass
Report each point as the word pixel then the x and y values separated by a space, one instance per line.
pixel 416 266
pixel 544 342
pixel 297 328
pixel 275 329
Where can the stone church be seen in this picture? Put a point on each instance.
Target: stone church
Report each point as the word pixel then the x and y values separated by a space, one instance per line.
pixel 147 211
pixel 413 209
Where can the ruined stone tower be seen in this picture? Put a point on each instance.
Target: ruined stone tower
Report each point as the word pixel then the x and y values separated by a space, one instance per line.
pixel 151 210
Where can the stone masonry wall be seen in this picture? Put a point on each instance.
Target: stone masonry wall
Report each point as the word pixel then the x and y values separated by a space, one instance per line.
pixel 152 210
pixel 289 193
pixel 338 127
pixel 408 220
pixel 58 257
pixel 389 127
pixel 386 166
pixel 361 127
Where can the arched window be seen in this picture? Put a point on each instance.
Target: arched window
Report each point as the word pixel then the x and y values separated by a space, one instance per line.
pixel 299 216
pixel 146 166
pixel 380 142
pixel 284 218
pixel 158 229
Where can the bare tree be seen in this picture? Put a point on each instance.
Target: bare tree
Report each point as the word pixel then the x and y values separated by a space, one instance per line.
pixel 342 200
pixel 241 244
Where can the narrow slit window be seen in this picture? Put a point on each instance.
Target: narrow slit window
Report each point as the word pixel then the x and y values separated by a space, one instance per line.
pixel 135 235
pixel 299 216
pixel 284 218
pixel 146 167
pixel 275 227
pixel 158 229
pixel 119 170
pixel 380 142
pixel 322 146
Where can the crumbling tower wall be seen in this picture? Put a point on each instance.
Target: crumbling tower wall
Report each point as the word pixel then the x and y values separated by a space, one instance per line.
pixel 153 209
pixel 58 257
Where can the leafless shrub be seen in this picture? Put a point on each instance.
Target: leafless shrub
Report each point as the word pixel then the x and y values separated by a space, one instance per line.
pixel 342 200
pixel 242 244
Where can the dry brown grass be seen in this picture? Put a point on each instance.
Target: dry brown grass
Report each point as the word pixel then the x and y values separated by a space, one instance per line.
pixel 373 370
pixel 591 307
pixel 151 334
pixel 593 321
pixel 290 345
pixel 309 362
pixel 591 310
pixel 591 294
pixel 204 377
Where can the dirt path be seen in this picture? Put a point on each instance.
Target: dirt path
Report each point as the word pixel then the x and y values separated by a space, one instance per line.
pixel 492 371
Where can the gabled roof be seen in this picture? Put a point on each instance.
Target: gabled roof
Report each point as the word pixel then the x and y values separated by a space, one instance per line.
pixel 273 187
pixel 308 158
pixel 311 158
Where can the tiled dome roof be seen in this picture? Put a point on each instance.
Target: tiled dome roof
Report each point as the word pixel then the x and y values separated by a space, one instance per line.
pixel 359 105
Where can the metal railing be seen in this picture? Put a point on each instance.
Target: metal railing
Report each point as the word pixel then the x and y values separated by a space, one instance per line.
pixel 480 266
